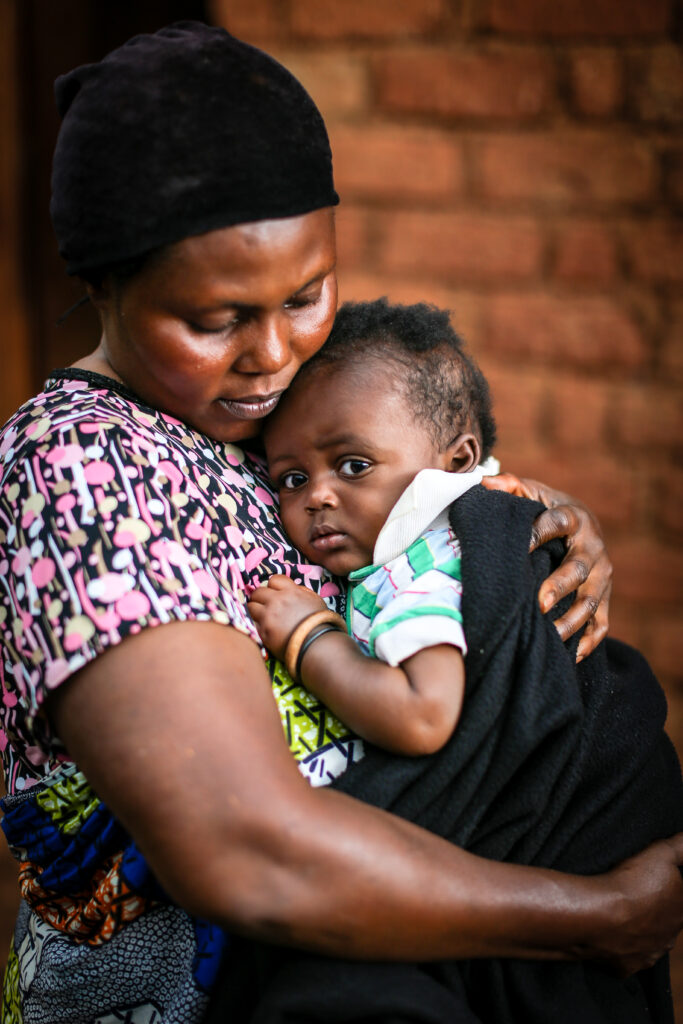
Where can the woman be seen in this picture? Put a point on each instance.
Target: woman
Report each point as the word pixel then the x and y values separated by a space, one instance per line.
pixel 208 249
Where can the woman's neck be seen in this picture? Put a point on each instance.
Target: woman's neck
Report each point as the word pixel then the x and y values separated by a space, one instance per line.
pixel 97 362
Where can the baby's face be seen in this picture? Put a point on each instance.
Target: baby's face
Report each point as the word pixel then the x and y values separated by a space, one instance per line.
pixel 342 447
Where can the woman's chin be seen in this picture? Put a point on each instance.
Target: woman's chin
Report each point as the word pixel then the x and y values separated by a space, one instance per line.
pixel 235 431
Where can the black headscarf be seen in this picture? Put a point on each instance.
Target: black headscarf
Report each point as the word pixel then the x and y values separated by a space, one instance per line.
pixel 179 133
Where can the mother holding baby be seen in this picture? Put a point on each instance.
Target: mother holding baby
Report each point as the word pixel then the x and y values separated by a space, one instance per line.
pixel 153 801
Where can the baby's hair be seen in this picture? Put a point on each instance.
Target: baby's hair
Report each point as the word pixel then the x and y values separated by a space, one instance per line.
pixel 442 383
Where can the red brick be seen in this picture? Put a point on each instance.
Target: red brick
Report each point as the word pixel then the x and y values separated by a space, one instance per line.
pixel 674 720
pixel 589 333
pixel 648 572
pixel 353 228
pixel 672 348
pixel 626 620
pixel 505 84
pixel 394 163
pixel 252 20
pixel 580 17
pixel 332 19
pixel 338 82
pixel 463 247
pixel 655 249
pixel 602 483
pixel 585 253
pixel 363 286
pixel 597 82
pixel 673 174
pixel 666 647
pixel 658 87
pixel 518 401
pixel 464 307
pixel 669 502
pixel 649 417
pixel 577 413
pixel 568 168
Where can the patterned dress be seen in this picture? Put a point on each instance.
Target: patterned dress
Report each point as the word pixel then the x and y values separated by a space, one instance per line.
pixel 115 517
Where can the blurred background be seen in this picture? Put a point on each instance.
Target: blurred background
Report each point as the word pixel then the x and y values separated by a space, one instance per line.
pixel 517 161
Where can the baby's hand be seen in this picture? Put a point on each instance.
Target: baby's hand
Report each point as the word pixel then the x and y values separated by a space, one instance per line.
pixel 278 607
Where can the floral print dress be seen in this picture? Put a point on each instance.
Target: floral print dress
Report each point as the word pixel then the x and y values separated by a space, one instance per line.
pixel 115 517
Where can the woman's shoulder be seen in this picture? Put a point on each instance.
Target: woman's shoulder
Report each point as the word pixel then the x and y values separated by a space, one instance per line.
pixel 69 404
pixel 82 417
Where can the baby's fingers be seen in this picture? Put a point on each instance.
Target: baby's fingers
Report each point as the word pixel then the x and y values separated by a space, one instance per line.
pixel 279 582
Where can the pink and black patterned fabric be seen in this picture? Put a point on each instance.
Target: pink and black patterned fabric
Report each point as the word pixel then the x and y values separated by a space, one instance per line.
pixel 114 518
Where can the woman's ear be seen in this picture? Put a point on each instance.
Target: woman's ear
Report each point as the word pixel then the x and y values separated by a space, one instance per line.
pixel 99 293
pixel 463 454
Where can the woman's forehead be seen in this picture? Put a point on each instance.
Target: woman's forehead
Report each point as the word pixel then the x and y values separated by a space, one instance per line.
pixel 282 255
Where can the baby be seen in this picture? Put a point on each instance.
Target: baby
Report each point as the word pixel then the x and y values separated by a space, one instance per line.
pixel 379 433
pixel 553 763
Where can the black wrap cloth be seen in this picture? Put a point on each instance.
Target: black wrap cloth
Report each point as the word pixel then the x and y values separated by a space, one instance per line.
pixel 552 764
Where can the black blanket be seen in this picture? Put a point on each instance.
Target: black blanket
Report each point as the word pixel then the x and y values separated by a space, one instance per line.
pixel 551 764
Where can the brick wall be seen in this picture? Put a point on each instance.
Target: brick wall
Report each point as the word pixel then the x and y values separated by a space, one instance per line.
pixel 521 162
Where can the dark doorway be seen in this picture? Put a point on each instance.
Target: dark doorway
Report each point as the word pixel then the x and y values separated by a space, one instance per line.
pixel 52 38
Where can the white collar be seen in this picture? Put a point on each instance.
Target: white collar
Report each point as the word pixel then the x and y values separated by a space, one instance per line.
pixel 430 492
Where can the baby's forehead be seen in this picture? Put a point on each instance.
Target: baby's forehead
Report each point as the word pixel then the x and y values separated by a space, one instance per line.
pixel 343 411
pixel 373 374
pixel 343 388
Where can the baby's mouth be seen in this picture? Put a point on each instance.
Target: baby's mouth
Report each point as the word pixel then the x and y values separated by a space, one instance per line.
pixel 325 537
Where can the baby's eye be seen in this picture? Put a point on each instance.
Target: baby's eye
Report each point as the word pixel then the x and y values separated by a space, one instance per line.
pixel 353 467
pixel 290 481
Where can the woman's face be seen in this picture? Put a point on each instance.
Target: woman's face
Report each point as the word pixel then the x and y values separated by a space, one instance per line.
pixel 214 329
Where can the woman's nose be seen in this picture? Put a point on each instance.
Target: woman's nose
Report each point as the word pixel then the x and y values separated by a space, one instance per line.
pixel 266 344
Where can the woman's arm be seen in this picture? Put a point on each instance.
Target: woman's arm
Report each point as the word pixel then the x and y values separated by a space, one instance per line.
pixel 177 730
pixel 586 568
pixel 409 709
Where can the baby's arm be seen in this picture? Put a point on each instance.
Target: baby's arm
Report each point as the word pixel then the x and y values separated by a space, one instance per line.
pixel 411 709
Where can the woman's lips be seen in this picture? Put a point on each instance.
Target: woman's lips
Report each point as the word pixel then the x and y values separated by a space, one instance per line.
pixel 252 407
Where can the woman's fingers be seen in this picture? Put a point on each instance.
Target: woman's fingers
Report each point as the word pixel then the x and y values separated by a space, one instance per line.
pixel 585 571
pixel 558 521
pixel 595 632
pixel 506 482
pixel 653 895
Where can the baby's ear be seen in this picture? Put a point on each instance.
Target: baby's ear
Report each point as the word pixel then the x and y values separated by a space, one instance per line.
pixel 463 454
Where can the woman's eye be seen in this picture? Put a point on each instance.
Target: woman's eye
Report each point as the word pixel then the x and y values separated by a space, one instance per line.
pixel 227 325
pixel 353 467
pixel 198 329
pixel 301 301
pixel 290 481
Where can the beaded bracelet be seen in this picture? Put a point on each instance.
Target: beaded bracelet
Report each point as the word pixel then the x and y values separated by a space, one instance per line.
pixel 301 633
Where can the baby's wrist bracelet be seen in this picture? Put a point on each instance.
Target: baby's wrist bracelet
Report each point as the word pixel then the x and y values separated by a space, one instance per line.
pixel 303 635
pixel 316 632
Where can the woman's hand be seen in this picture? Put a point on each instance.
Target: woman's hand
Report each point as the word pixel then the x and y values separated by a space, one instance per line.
pixel 652 908
pixel 586 569
pixel 278 607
